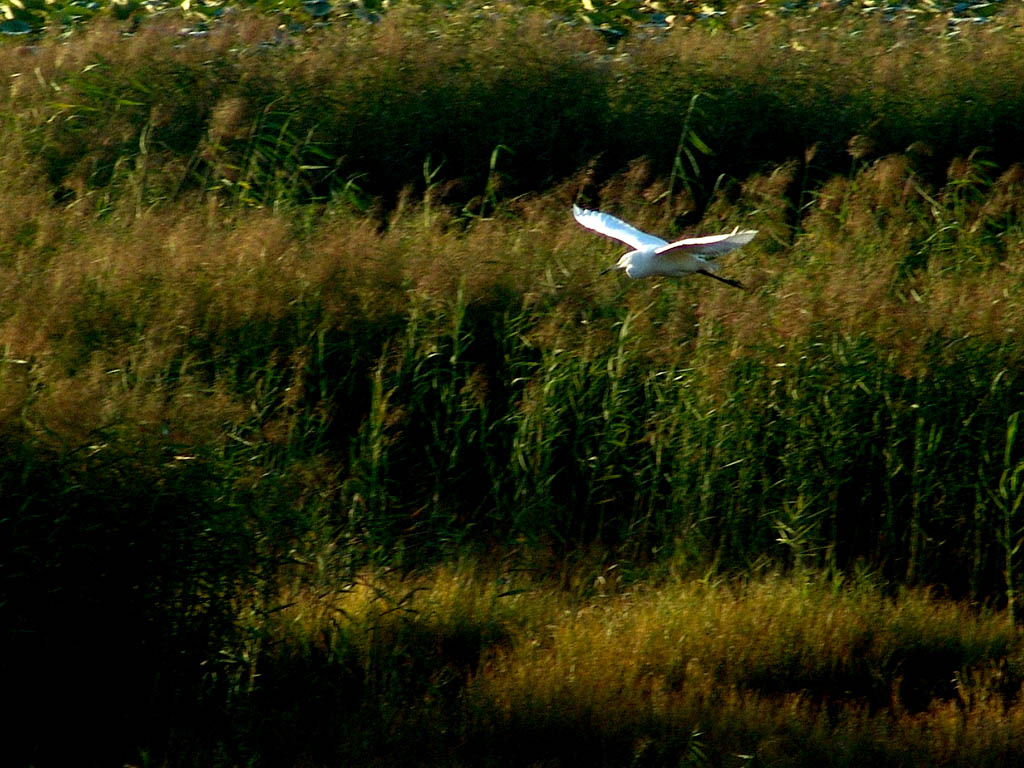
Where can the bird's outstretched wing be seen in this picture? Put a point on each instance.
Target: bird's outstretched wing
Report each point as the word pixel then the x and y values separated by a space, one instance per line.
pixel 608 225
pixel 709 246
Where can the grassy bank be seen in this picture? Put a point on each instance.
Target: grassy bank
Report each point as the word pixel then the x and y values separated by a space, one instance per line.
pixel 195 405
pixel 430 385
pixel 470 666
pixel 276 316
pixel 480 106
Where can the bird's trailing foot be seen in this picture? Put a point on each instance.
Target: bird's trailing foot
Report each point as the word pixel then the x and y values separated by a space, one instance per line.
pixel 726 280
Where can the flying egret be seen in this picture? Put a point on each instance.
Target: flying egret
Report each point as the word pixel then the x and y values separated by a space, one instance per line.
pixel 653 256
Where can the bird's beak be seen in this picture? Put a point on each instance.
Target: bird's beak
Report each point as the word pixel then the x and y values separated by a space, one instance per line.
pixel 608 269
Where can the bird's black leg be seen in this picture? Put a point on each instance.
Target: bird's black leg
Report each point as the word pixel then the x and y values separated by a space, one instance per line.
pixel 726 280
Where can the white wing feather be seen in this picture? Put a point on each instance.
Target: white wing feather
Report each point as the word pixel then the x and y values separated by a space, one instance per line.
pixel 608 225
pixel 708 247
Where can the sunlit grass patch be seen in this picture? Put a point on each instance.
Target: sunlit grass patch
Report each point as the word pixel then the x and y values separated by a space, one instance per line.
pixel 798 672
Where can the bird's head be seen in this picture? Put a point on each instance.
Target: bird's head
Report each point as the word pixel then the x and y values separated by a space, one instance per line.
pixel 623 263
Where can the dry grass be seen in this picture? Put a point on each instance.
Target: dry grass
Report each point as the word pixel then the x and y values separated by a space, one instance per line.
pixel 230 317
pixel 794 672
pixel 375 103
pixel 248 330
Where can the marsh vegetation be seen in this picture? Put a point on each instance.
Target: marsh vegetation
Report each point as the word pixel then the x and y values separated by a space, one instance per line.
pixel 324 441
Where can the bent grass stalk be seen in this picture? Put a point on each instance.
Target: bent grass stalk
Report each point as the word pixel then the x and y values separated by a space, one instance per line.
pixel 1009 500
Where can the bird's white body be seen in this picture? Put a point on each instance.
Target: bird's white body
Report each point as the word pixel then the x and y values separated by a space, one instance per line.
pixel 653 256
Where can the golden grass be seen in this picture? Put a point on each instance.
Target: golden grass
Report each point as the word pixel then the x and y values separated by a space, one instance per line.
pixel 337 371
pixel 797 672
pixel 132 294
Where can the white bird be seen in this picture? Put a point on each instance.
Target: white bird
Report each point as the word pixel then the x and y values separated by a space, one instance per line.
pixel 653 256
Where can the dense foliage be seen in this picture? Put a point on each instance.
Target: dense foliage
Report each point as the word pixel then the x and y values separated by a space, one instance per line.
pixel 279 306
